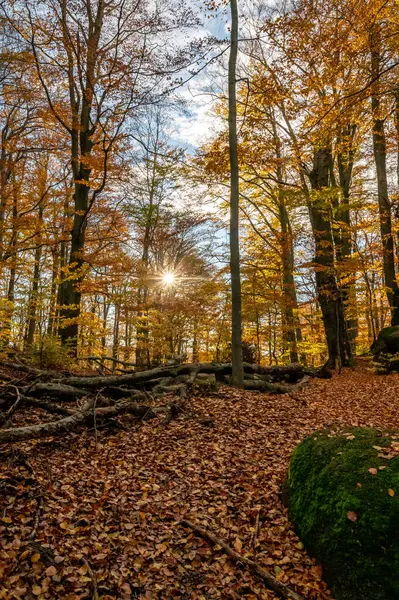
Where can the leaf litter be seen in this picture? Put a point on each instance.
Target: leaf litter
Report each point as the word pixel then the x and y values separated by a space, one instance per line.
pixel 79 521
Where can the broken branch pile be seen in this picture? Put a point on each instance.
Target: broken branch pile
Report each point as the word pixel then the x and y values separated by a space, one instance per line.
pixel 100 398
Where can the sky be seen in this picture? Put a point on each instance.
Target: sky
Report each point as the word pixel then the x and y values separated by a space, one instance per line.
pixel 196 126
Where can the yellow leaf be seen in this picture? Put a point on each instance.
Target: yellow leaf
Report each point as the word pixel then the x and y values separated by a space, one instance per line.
pixel 238 544
pixel 391 492
pixel 6 520
pixel 35 557
pixel 36 589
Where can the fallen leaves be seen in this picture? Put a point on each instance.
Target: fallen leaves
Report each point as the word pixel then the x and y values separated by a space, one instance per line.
pixel 119 508
pixel 373 471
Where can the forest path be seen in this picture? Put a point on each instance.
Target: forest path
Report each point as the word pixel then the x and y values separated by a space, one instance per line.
pixel 118 506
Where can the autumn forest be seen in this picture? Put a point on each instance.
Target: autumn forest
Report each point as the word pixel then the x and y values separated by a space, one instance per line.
pixel 199 268
pixel 114 236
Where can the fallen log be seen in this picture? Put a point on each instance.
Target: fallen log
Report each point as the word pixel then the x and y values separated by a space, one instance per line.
pixel 100 359
pixel 272 583
pixel 291 372
pixel 45 405
pixel 264 386
pixel 26 369
pixel 6 416
pixel 84 416
pixel 55 390
pixel 129 390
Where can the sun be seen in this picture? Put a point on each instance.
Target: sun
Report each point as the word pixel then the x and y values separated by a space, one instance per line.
pixel 169 278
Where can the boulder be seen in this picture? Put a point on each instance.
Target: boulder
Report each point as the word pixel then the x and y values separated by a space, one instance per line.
pixel 387 342
pixel 342 491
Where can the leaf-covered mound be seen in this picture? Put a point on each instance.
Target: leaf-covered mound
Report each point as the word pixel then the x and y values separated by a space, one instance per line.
pixel 343 497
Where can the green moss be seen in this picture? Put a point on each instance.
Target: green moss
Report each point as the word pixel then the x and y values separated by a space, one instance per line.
pixel 329 484
pixel 387 332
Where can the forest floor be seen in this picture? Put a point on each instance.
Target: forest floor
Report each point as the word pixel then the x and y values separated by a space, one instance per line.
pixel 106 515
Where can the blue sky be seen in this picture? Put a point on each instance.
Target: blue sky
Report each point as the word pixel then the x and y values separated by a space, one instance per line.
pixel 195 127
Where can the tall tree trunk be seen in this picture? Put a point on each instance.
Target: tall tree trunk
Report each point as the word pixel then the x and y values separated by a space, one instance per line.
pixel 81 134
pixel 290 308
pixel 52 311
pixel 195 340
pixel 142 329
pixel 345 159
pixel 115 345
pixel 237 376
pixel 380 158
pixel 106 307
pixel 5 172
pixel 396 97
pixel 328 293
pixel 33 300
pixel 126 351
pixel 291 324
pixel 70 286
pixel 12 254
pixel 63 263
pixel 32 305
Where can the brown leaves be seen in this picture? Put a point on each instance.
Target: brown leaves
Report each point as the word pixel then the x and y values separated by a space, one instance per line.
pixel 118 508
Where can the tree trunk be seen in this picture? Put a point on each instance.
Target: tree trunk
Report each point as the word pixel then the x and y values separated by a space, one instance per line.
pixel 236 333
pixel 115 345
pixel 291 324
pixel 70 286
pixel 380 158
pixel 328 293
pixel 290 308
pixel 5 172
pixel 52 312
pixel 82 142
pixel 195 340
pixel 345 159
pixel 33 300
pixel 12 255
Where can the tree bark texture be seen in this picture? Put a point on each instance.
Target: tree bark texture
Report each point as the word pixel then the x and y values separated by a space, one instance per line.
pixel 236 321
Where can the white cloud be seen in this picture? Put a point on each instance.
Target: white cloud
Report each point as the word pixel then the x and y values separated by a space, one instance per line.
pixel 199 126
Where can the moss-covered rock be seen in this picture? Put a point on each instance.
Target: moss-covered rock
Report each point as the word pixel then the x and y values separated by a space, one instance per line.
pixel 387 341
pixel 343 498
